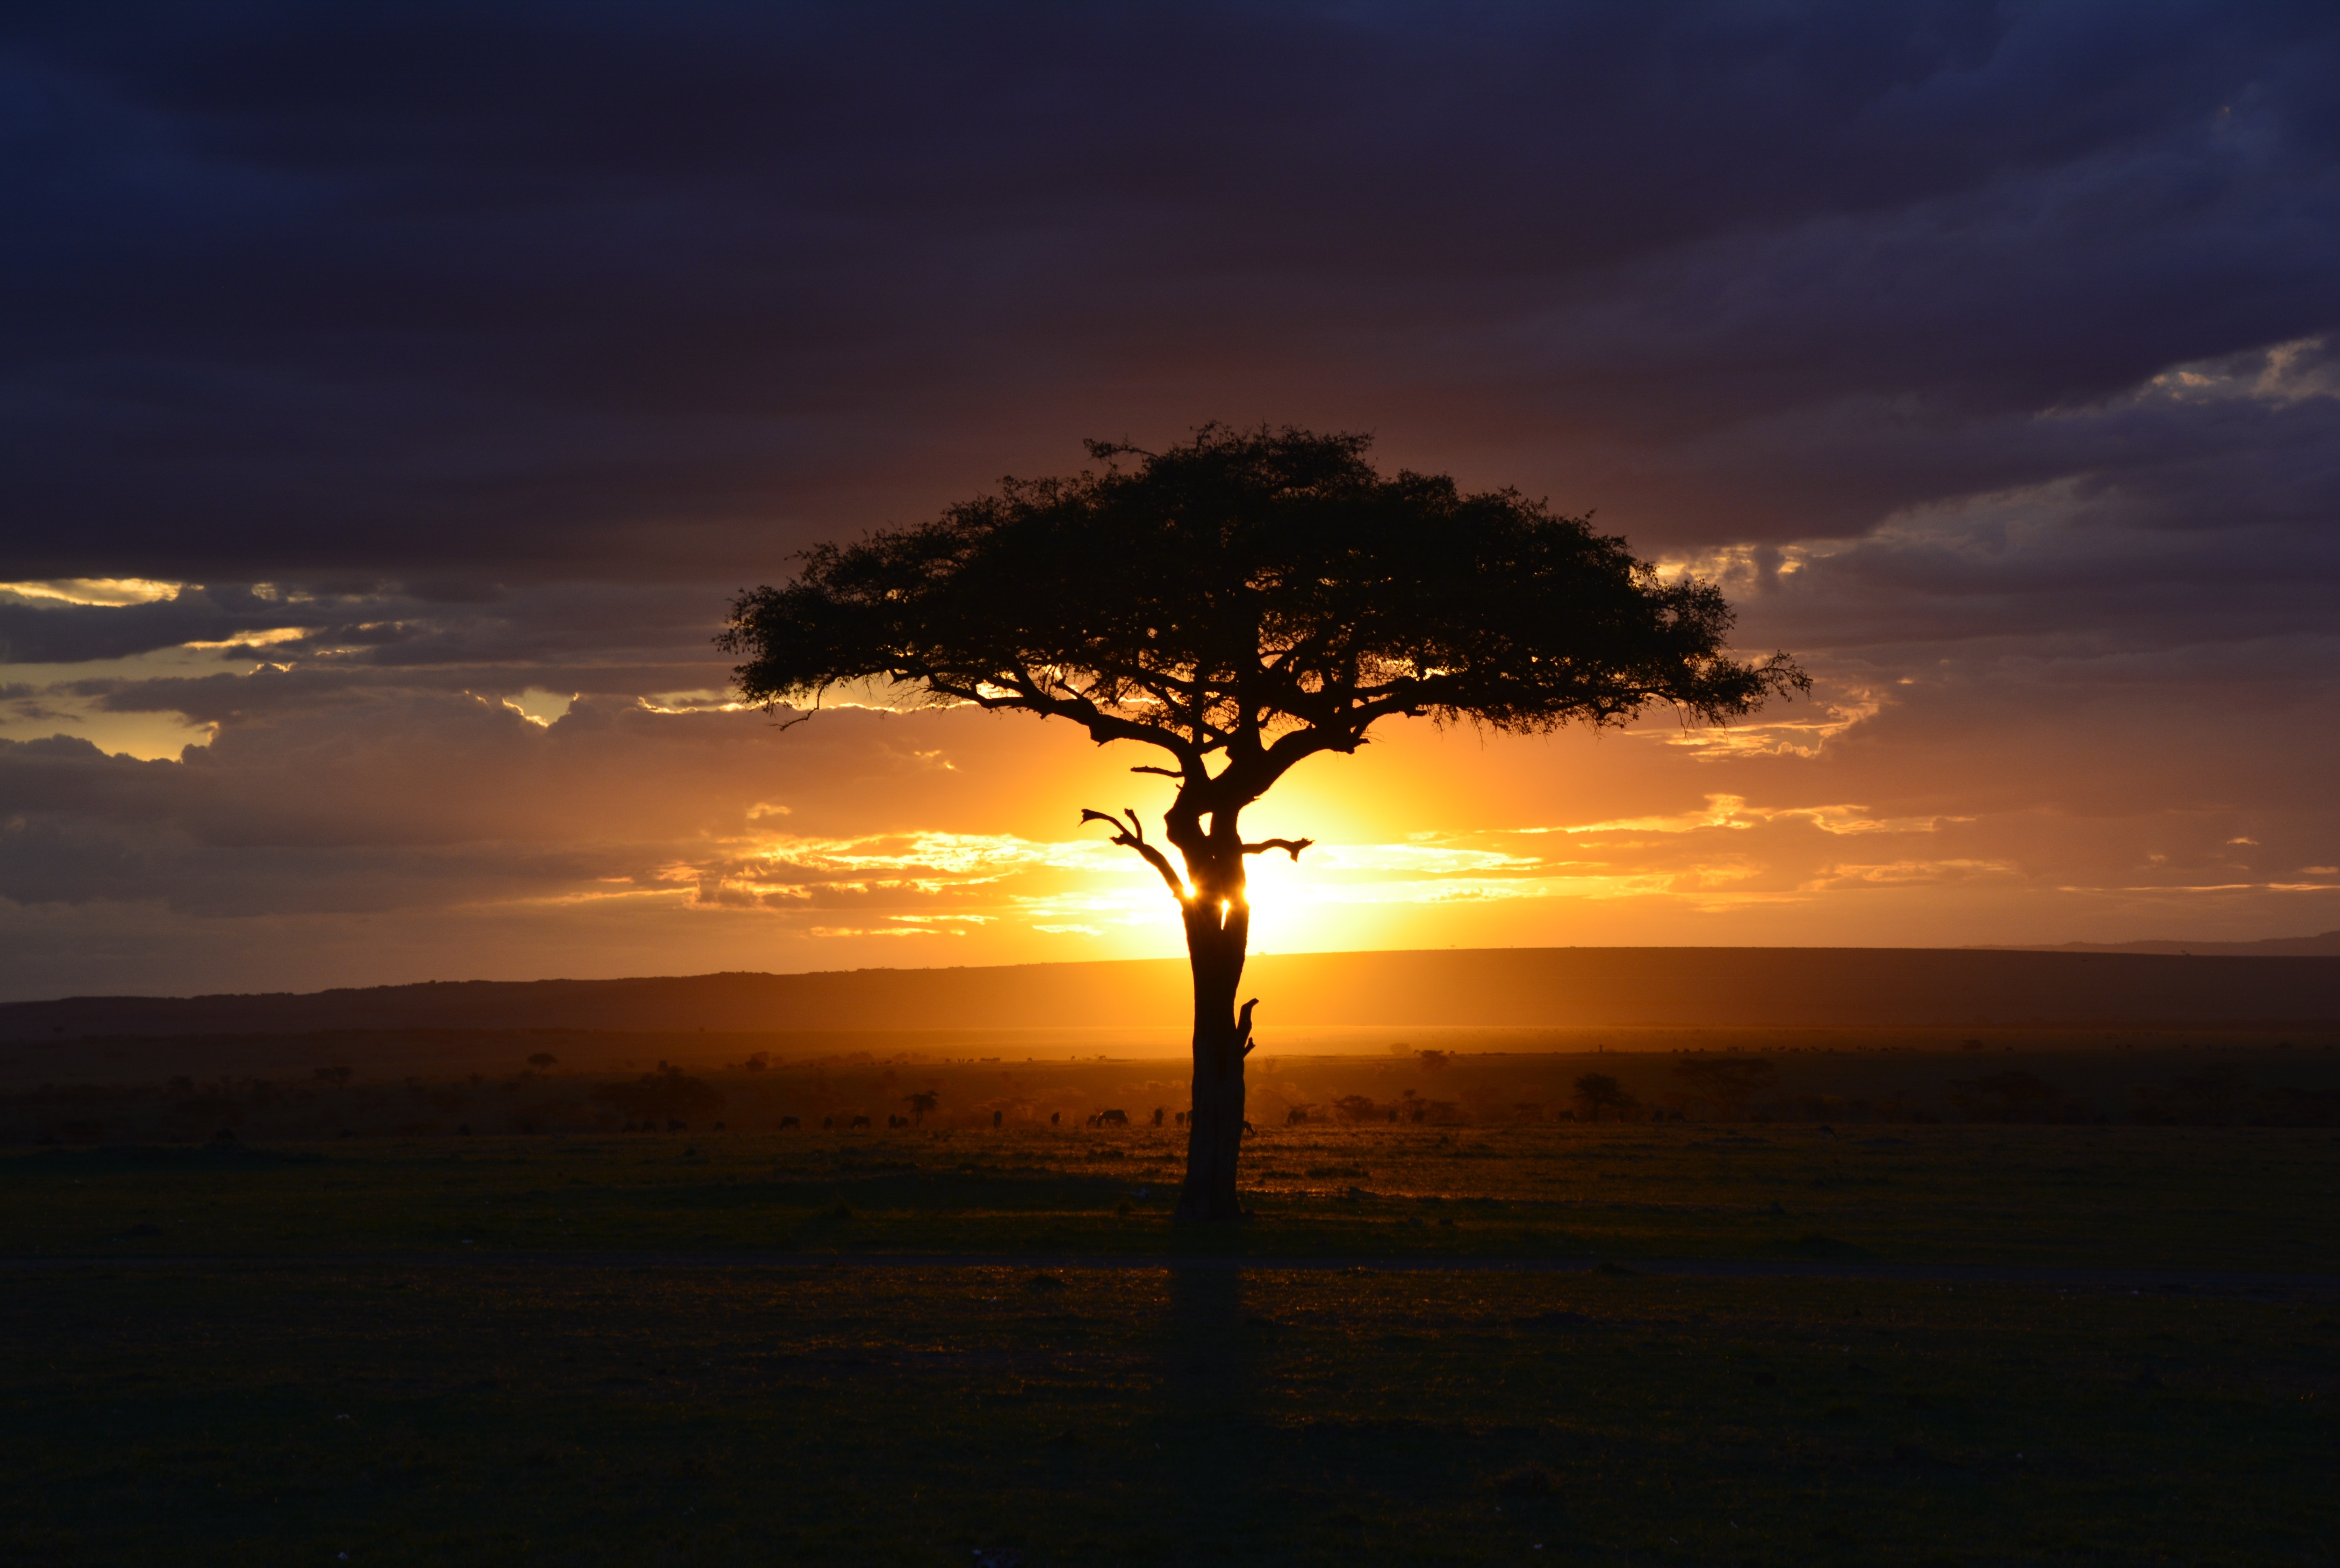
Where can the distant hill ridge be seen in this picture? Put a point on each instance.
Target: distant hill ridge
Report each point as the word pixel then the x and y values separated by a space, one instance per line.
pixel 2326 946
pixel 1497 988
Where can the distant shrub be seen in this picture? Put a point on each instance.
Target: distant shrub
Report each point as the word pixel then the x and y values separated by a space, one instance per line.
pixel 1837 1108
pixel 1599 1092
pixel 2286 1108
pixel 1356 1109
pixel 2013 1096
pixel 1726 1083
pixel 668 1095
pixel 2203 1100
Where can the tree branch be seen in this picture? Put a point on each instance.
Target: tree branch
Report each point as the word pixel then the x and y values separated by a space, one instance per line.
pixel 1165 772
pixel 1027 694
pixel 1291 847
pixel 1243 1030
pixel 1131 836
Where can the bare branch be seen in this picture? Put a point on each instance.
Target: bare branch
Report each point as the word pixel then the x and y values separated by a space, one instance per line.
pixel 1165 772
pixel 1131 835
pixel 1291 847
pixel 1243 1030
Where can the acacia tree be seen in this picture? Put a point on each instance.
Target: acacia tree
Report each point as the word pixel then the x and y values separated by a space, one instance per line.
pixel 1241 604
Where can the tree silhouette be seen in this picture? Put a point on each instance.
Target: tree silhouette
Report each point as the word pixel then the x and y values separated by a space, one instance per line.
pixel 1597 1092
pixel 920 1103
pixel 1244 602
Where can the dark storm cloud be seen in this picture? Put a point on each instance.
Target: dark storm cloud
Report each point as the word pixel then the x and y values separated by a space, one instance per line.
pixel 661 291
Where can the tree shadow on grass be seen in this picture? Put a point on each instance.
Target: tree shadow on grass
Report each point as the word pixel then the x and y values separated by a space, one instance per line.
pixel 1215 1441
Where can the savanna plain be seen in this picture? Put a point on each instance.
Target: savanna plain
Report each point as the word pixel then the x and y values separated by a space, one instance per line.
pixel 1732 1297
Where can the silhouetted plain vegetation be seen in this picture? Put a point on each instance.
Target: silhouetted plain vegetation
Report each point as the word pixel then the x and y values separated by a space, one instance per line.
pixel 1756 1078
pixel 584 1344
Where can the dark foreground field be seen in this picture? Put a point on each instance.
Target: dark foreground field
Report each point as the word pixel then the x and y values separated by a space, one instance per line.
pixel 1662 1342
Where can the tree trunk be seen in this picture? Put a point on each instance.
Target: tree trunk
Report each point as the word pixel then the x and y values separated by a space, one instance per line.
pixel 1216 937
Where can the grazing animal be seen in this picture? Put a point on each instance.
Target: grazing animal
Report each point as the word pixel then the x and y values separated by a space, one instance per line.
pixel 1181 1118
pixel 857 1122
pixel 994 1121
pixel 827 1123
pixel 788 1122
pixel 674 1126
pixel 892 1122
pixel 1157 1116
pixel 1053 1115
pixel 1111 1118
pixel 1294 1116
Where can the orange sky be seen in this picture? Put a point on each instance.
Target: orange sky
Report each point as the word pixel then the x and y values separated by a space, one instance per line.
pixel 470 839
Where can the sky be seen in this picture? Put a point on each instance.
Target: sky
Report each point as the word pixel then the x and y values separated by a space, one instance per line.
pixel 393 397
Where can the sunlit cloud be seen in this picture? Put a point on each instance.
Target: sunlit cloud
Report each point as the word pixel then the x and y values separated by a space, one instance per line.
pixel 267 638
pixel 700 702
pixel 1907 873
pixel 539 706
pixel 1733 813
pixel 2279 375
pixel 94 591
pixel 1792 734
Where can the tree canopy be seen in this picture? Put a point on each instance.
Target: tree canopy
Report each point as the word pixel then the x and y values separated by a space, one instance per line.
pixel 1240 604
pixel 1250 599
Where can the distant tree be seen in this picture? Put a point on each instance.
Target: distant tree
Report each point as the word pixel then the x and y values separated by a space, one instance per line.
pixel 542 1061
pixel 1432 1061
pixel 1244 602
pixel 1355 1109
pixel 1597 1092
pixel 920 1103
pixel 1726 1083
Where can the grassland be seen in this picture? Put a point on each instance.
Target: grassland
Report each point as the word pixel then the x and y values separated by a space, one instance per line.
pixel 2248 1199
pixel 1463 1343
